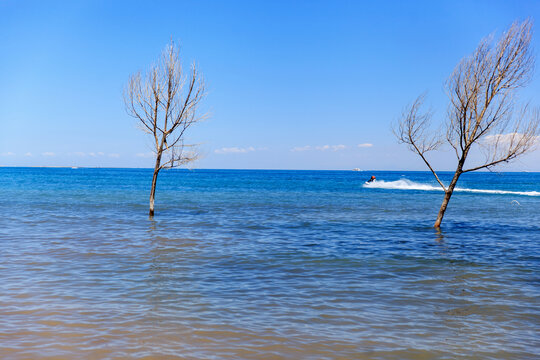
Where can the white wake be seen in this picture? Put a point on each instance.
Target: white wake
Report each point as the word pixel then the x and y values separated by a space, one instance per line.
pixel 405 184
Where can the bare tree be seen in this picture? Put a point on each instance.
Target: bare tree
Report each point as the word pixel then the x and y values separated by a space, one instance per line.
pixel 481 114
pixel 166 101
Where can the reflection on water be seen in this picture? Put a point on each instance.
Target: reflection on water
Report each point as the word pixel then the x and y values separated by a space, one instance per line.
pixel 258 265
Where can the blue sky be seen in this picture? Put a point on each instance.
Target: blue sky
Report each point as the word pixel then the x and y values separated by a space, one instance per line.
pixel 292 84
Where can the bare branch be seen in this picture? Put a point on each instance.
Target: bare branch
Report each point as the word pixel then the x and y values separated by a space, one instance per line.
pixel 413 130
pixel 505 147
pixel 166 103
pixel 481 109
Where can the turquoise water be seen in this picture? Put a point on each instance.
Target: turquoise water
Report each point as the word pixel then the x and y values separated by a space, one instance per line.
pixel 267 265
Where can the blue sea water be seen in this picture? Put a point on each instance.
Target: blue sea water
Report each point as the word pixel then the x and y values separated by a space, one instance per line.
pixel 245 264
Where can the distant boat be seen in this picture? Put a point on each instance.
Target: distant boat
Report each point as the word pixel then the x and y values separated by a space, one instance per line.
pixel 356 169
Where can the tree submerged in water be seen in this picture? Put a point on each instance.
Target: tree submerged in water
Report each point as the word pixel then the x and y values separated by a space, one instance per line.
pixel 481 114
pixel 166 101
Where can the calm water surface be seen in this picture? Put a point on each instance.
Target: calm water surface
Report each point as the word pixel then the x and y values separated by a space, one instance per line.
pixel 267 265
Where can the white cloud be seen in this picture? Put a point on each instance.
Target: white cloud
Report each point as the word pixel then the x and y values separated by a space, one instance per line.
pixel 48 153
pixel 506 138
pixel 234 150
pixel 28 154
pixel 145 155
pixel 364 145
pixel 320 148
pixel 331 147
pixel 113 155
pixel 9 153
pixel 83 154
pixel 302 148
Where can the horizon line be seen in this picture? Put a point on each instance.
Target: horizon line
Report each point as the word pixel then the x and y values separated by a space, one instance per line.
pixel 237 169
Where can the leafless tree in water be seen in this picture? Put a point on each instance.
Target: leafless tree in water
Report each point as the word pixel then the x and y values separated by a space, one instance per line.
pixel 482 111
pixel 165 101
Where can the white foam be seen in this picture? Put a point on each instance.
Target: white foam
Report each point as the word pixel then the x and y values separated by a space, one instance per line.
pixel 405 184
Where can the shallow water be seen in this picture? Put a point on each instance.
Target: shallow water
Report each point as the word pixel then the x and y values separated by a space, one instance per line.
pixel 267 265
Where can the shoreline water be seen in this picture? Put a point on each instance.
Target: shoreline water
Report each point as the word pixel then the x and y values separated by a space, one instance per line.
pixel 253 264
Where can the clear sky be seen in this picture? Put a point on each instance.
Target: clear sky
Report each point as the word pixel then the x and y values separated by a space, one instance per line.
pixel 292 84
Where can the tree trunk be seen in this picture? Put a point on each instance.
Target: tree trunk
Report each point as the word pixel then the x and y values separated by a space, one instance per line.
pixel 154 181
pixel 447 195
pixel 442 210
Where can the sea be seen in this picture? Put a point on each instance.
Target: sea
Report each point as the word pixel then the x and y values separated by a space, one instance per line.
pixel 267 264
